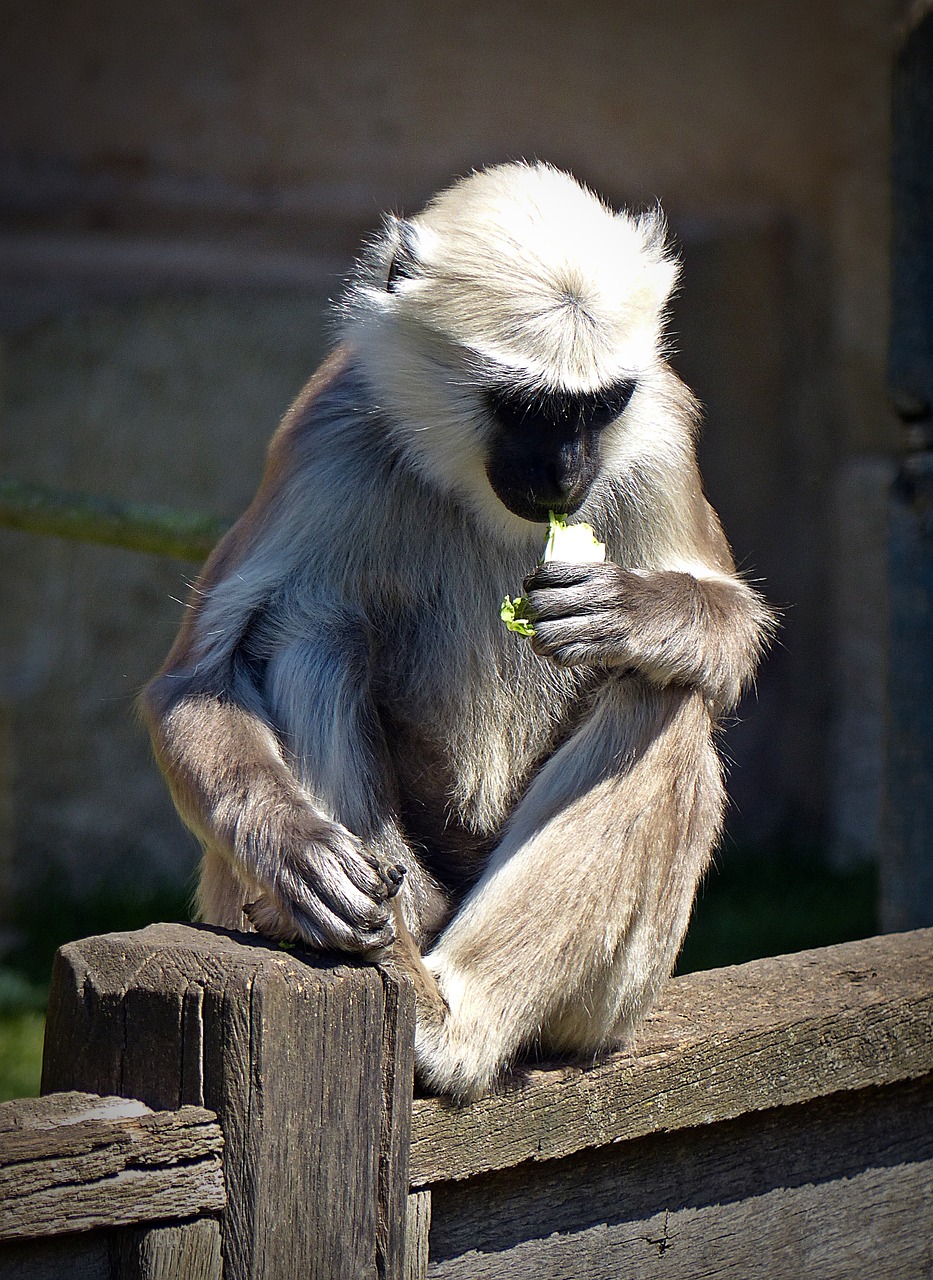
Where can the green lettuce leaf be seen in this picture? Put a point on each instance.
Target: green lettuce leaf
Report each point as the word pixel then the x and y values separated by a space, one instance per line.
pixel 517 615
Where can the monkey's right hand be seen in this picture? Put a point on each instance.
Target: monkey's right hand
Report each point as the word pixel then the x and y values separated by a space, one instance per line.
pixel 328 891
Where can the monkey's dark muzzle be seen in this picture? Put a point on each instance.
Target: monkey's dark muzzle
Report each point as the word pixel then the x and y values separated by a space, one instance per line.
pixel 536 464
pixel 532 489
pixel 544 451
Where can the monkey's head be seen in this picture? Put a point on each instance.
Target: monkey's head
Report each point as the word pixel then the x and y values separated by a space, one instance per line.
pixel 511 332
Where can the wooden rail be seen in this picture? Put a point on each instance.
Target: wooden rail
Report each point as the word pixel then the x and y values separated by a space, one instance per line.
pixel 776 1119
pixel 84 1178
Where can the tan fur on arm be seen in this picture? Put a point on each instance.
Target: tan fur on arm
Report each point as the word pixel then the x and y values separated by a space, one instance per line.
pixel 674 628
pixel 231 784
pixel 305 873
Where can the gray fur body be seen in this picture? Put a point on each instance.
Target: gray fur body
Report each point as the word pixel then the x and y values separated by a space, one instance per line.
pixel 343 700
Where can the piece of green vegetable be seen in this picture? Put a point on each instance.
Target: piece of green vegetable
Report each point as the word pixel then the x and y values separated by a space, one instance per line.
pixel 573 543
pixel 517 616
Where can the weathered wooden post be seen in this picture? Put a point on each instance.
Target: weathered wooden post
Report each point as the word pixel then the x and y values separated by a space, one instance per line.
pixel 907 844
pixel 308 1065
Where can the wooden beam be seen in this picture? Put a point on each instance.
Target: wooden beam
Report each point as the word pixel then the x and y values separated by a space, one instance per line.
pixel 907 830
pixel 180 1251
pixel 76 1161
pixel 721 1044
pixel 88 517
pixel 832 1189
pixel 114 263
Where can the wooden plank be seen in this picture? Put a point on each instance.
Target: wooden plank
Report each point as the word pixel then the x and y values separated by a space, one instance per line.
pixel 907 829
pixel 307 1063
pixel 75 1161
pixel 28 1118
pixel 183 1251
pixel 827 1190
pixel 907 836
pixel 417 1235
pixel 398 1072
pixel 910 354
pixel 722 1043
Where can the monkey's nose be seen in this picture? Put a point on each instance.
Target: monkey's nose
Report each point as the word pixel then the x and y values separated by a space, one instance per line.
pixel 564 476
pixel 557 491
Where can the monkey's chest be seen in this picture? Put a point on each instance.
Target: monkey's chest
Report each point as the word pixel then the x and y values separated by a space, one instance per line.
pixel 451 838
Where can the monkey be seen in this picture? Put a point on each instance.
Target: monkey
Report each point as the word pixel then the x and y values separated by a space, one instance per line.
pixel 372 763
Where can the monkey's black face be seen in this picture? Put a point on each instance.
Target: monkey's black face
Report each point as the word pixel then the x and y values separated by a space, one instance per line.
pixel 544 452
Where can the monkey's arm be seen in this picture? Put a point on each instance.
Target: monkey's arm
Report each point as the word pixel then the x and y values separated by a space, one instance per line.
pixel 236 791
pixel 673 627
pixel 309 838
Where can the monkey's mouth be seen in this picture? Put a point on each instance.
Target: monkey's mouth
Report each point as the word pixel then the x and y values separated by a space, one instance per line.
pixel 535 503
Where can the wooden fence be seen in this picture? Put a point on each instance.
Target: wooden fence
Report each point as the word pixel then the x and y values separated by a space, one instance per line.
pixel 106 1189
pixel 775 1121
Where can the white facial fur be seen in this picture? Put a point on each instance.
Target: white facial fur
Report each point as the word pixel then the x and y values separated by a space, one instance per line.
pixel 520 272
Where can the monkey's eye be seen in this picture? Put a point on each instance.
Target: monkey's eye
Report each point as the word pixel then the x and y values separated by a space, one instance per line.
pixel 599 408
pixel 587 410
pixel 403 264
pixel 396 272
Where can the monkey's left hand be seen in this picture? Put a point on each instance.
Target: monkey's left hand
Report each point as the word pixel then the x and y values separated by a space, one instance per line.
pixel 588 614
pixel 669 626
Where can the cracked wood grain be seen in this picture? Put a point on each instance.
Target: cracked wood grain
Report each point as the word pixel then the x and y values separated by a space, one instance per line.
pixel 307 1063
pixel 75 1161
pixel 828 1190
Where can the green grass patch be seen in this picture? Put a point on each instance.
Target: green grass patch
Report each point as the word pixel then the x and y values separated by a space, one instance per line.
pixel 20 1054
pixel 24 977
pixel 63 917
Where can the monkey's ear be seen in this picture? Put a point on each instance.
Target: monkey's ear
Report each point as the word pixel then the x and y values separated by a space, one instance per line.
pixel 652 226
pixel 403 264
pixel 660 266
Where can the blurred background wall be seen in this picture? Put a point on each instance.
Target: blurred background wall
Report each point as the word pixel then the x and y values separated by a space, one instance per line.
pixel 182 186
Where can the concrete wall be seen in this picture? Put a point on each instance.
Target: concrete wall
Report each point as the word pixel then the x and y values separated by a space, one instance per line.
pixel 725 106
pixel 167 400
pixel 180 187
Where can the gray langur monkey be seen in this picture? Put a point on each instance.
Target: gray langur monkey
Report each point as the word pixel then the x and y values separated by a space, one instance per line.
pixel 372 763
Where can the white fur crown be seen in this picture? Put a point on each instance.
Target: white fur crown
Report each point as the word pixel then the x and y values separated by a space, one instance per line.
pixel 522 267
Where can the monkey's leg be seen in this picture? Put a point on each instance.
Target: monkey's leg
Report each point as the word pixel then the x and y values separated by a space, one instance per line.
pixel 579 916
